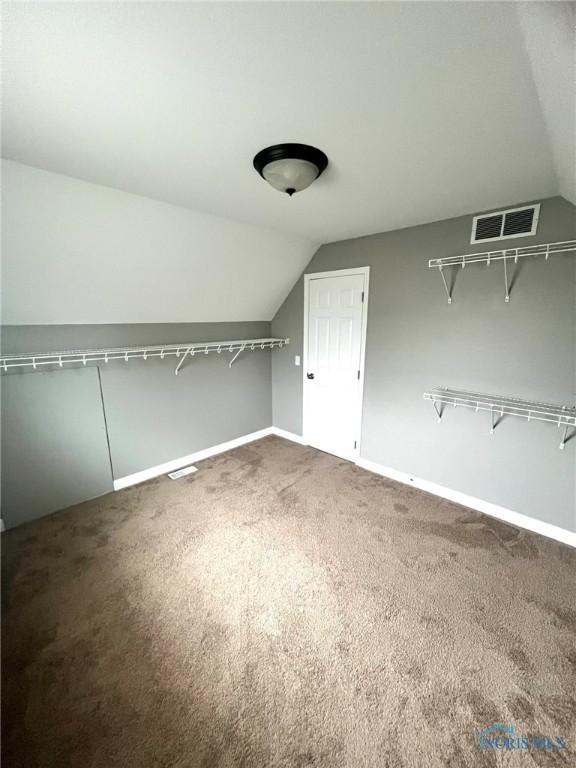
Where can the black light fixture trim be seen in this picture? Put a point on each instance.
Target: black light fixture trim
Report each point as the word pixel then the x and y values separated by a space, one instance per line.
pixel 290 152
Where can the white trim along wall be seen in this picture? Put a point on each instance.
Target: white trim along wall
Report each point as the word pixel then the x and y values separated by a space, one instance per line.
pixel 170 466
pixel 494 510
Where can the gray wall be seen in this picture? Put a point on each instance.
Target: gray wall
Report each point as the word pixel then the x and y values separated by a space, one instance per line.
pixel 152 415
pixel 54 448
pixel 416 341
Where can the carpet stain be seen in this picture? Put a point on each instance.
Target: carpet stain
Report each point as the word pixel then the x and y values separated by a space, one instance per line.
pixel 282 608
pixel 521 708
pixel 520 659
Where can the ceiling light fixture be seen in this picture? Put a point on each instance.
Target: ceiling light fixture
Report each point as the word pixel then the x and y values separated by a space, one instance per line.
pixel 290 167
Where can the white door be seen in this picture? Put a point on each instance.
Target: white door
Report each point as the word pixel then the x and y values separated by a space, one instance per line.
pixel 335 330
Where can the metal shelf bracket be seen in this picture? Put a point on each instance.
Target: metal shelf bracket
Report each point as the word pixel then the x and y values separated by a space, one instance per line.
pixel 231 363
pixel 565 435
pixel 448 292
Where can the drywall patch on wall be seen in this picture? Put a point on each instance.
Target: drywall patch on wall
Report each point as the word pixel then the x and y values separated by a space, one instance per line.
pixel 54 447
pixel 75 252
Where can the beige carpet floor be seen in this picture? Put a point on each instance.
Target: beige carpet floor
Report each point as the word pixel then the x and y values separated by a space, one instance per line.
pixel 282 608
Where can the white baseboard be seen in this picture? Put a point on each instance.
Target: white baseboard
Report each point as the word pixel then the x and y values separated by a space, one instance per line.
pixel 494 510
pixel 287 435
pixel 170 466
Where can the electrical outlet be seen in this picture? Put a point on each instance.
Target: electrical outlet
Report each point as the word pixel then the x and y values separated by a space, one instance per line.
pixel 296 359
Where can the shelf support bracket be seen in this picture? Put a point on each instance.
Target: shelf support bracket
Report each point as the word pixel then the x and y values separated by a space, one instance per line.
pixel 443 276
pixel 565 436
pixel 231 363
pixel 492 421
pixel 506 286
pixel 181 361
pixel 438 410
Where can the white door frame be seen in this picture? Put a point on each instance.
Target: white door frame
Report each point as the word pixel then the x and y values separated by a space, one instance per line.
pixel 337 273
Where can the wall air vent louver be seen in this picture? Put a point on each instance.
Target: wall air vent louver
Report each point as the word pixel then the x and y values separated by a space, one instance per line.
pixel 501 225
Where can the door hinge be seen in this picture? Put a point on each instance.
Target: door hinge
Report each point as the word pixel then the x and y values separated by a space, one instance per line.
pixel 362 297
pixel 355 444
pixel 358 375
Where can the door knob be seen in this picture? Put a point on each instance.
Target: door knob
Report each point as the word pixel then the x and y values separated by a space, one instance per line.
pixel 310 375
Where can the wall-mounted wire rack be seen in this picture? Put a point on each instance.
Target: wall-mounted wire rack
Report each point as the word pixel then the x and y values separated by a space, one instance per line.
pixel 505 255
pixel 563 416
pixel 183 351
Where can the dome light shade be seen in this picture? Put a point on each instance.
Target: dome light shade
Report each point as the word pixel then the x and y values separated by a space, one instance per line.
pixel 290 175
pixel 290 167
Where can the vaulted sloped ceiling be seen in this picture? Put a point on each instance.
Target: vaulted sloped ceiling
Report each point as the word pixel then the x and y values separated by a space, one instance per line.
pixel 426 111
pixel 76 252
pixel 549 34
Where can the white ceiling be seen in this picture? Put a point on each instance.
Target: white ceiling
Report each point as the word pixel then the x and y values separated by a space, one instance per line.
pixel 426 110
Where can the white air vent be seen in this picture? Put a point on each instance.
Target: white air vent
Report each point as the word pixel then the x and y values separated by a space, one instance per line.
pixel 502 225
pixel 182 472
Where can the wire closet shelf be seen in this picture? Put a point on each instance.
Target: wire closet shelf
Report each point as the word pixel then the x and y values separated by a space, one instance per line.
pixel 563 416
pixel 504 255
pixel 182 351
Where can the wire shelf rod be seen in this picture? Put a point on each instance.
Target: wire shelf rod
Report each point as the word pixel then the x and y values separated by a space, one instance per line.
pixel 504 255
pixel 545 249
pixel 182 350
pixel 498 405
